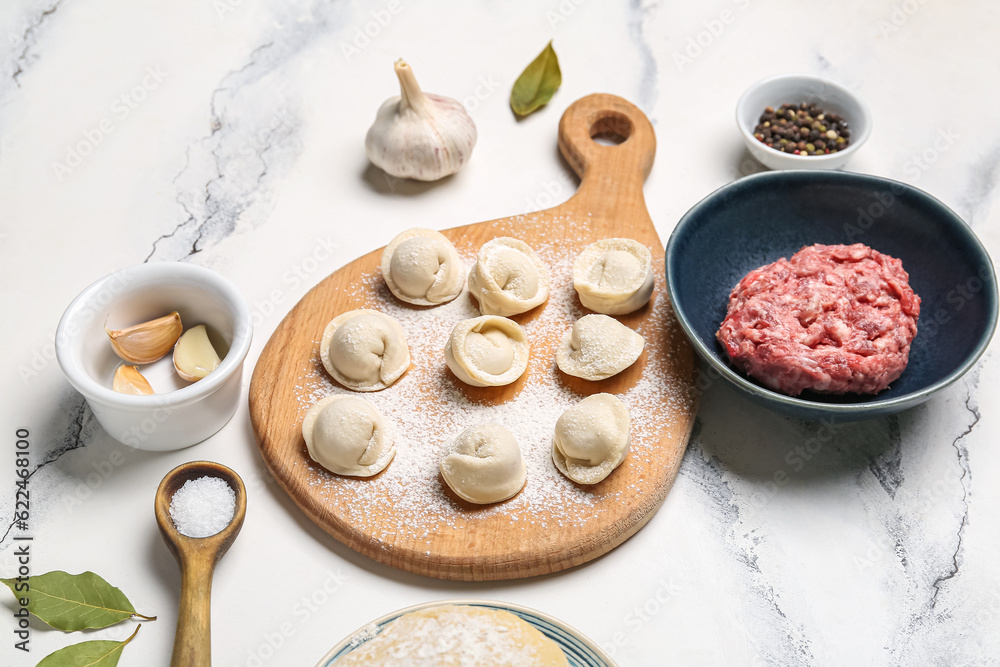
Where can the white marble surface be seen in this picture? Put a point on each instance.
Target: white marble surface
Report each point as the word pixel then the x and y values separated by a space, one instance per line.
pixel 229 133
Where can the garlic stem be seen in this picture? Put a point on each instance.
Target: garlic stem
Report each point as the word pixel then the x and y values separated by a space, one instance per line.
pixel 410 95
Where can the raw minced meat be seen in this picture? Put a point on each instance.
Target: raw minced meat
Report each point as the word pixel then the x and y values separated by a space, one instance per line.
pixel 832 319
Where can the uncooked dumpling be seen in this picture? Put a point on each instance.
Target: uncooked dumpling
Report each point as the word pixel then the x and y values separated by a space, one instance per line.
pixel 592 438
pixel 484 465
pixel 364 350
pixel 421 266
pixel 614 276
pixel 487 351
pixel 508 278
pixel 459 636
pixel 598 347
pixel 348 435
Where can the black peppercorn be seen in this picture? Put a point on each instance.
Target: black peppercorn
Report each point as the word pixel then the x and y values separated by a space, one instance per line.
pixel 803 129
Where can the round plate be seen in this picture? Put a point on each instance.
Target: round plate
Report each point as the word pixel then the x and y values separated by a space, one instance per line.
pixel 761 218
pixel 580 651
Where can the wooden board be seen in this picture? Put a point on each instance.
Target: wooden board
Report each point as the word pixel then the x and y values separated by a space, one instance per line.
pixel 463 541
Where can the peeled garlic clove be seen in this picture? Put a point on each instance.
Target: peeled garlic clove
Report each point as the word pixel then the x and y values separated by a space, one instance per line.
pixel 194 356
pixel 128 380
pixel 418 135
pixel 145 343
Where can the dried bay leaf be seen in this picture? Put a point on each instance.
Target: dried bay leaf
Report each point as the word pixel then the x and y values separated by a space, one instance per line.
pixel 100 653
pixel 71 602
pixel 537 84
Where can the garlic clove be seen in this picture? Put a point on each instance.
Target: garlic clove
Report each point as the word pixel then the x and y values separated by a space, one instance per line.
pixel 420 135
pixel 194 355
pixel 128 380
pixel 145 343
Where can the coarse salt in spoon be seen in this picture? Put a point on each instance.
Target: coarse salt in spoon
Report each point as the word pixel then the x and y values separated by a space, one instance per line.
pixel 195 499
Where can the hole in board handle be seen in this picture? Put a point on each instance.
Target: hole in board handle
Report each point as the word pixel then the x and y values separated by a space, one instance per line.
pixel 611 129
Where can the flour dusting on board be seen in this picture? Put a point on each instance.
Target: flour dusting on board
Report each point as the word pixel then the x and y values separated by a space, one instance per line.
pixel 429 407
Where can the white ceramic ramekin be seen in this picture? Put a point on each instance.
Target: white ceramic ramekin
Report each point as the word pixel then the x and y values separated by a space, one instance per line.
pixel 796 89
pixel 173 419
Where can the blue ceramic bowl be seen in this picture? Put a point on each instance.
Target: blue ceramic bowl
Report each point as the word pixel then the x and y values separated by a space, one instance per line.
pixel 761 218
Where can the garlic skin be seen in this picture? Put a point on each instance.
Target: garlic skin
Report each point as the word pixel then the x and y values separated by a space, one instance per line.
pixel 128 380
pixel 146 342
pixel 420 135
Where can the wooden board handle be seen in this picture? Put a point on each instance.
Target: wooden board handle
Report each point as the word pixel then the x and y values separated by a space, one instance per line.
pixel 610 174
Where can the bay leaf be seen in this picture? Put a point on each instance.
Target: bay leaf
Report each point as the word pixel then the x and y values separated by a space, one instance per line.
pixel 537 84
pixel 71 602
pixel 101 653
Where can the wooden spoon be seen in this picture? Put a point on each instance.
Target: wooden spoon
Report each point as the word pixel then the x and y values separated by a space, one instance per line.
pixel 197 557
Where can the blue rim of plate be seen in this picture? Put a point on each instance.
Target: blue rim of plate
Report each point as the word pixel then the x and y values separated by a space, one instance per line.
pixel 579 650
pixel 875 406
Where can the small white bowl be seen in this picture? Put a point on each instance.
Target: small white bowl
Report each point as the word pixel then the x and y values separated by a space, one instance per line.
pixel 798 89
pixel 179 417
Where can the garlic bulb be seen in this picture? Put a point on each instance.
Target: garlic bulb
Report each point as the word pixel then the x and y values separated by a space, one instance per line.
pixel 420 135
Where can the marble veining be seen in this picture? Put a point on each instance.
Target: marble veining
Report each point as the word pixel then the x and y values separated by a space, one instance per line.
pixel 24 57
pixel 962 454
pixel 790 543
pixel 779 640
pixel 649 91
pixel 980 193
pixel 887 466
pixel 74 426
pixel 225 173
